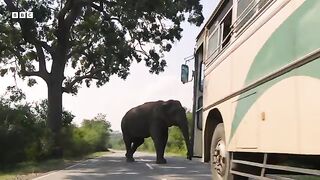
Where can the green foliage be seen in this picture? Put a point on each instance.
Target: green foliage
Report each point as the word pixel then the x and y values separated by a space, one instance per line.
pixel 24 135
pixel 97 132
pixel 116 141
pixel 41 110
pixel 176 143
pixel 147 145
pixel 92 136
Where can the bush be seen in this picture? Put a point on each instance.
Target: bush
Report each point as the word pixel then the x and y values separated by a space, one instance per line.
pixel 176 143
pixel 24 135
pixel 116 141
pixel 92 136
pixel 96 132
pixel 147 145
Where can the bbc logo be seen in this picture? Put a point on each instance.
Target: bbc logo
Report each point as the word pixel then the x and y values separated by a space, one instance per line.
pixel 22 15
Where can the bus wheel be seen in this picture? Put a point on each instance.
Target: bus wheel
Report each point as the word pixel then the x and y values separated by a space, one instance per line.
pixel 219 158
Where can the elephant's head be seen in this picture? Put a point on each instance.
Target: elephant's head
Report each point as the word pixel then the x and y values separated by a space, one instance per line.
pixel 175 115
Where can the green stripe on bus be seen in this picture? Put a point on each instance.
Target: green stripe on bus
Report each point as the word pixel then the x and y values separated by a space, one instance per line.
pixel 296 37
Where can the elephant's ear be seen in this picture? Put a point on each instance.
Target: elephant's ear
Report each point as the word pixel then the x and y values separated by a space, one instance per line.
pixel 169 109
pixel 169 106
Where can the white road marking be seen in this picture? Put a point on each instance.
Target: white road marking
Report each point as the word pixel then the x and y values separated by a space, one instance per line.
pixel 145 160
pixel 149 166
pixel 171 167
pixel 46 175
pixel 54 172
pixel 73 166
pixel 194 171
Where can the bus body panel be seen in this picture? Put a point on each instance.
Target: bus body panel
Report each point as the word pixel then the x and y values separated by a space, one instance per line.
pixel 279 115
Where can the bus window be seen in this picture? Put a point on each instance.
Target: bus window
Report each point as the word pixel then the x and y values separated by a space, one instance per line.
pixel 214 42
pixel 199 112
pixel 226 34
pixel 219 32
pixel 246 9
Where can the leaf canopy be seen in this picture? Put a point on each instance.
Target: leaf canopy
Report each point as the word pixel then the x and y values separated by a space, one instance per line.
pixel 96 38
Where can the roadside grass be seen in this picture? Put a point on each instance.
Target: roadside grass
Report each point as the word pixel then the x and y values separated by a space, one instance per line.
pixel 28 170
pixel 176 154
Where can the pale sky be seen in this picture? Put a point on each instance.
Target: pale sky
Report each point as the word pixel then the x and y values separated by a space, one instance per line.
pixel 117 96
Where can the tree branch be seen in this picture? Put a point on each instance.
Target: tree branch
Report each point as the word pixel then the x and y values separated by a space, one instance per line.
pixel 73 9
pixel 42 63
pixel 47 47
pixel 30 73
pixel 90 75
pixel 142 49
pixel 63 12
pixel 105 14
pixel 29 34
pixel 23 70
pixel 81 50
pixel 74 14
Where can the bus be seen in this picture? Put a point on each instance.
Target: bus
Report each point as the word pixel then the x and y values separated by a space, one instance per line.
pixel 256 100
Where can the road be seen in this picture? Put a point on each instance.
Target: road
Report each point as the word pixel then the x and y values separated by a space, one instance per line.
pixel 114 167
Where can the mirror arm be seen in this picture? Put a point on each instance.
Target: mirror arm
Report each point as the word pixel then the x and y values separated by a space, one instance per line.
pixel 186 60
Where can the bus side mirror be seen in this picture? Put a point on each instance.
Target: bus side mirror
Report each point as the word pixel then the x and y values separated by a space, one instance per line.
pixel 184 73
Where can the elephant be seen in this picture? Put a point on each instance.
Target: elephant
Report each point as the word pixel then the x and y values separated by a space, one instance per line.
pixel 153 119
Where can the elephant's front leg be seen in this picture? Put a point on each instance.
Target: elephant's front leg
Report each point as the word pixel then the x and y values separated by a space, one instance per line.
pixel 160 138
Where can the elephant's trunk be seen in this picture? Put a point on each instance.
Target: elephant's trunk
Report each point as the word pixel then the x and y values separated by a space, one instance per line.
pixel 185 131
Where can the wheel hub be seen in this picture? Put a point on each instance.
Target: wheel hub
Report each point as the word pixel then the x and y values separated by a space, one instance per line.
pixel 219 157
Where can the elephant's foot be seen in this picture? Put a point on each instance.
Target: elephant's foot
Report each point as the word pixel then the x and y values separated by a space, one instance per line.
pixel 161 161
pixel 130 159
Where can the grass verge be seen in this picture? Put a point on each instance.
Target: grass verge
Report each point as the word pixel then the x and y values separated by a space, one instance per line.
pixel 29 170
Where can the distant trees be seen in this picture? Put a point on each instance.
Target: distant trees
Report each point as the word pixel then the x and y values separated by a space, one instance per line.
pixel 24 135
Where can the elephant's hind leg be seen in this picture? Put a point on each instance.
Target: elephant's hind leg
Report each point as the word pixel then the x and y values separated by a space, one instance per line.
pixel 136 143
pixel 129 153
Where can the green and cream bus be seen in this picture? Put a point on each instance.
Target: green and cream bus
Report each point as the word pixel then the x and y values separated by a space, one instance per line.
pixel 257 90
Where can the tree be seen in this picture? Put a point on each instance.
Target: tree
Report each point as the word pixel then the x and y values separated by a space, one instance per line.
pixel 93 38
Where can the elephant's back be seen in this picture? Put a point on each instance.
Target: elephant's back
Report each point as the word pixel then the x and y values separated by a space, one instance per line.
pixel 135 122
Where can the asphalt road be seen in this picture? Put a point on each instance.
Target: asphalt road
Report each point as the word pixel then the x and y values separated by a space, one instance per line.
pixel 114 167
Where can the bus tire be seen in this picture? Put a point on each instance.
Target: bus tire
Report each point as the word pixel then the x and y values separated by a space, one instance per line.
pixel 219 156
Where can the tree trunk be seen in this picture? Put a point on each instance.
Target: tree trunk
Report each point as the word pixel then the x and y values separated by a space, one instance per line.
pixel 55 114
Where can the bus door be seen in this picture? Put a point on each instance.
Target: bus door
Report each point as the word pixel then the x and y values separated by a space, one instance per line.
pixel 198 103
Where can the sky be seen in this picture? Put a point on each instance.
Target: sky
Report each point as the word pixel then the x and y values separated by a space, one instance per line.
pixel 118 96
